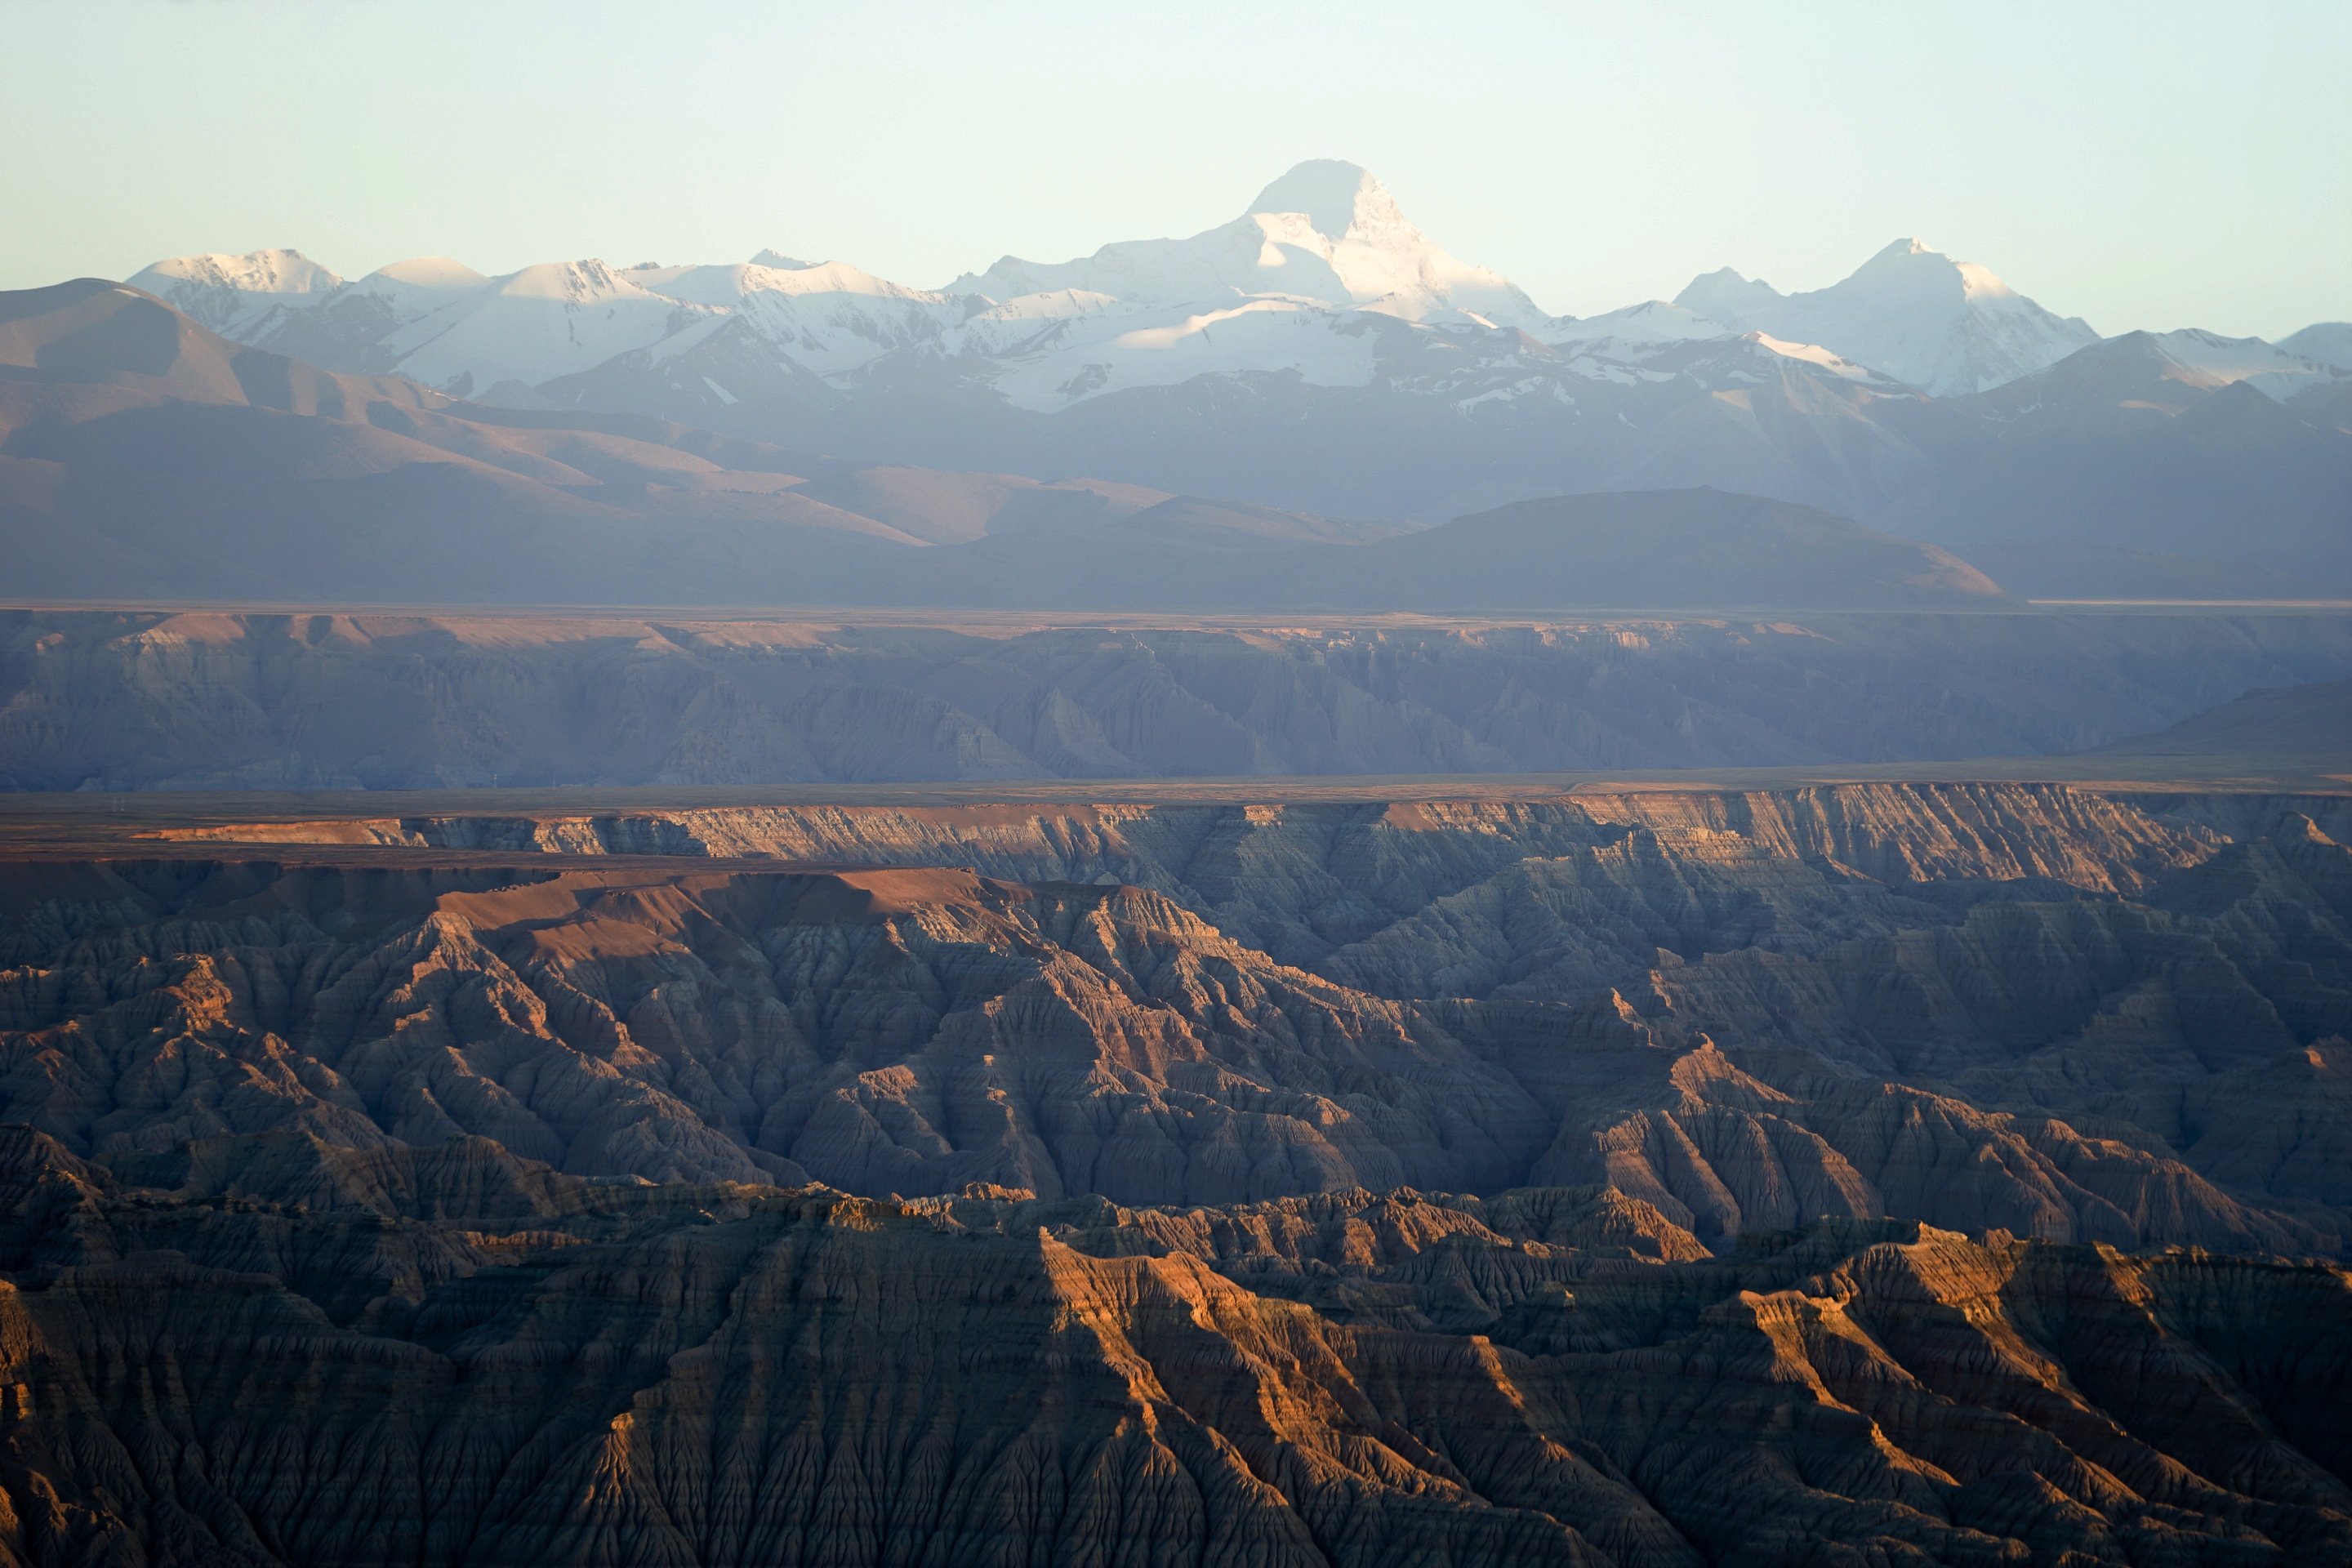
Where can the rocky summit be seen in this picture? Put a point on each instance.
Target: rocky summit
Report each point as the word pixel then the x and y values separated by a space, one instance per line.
pixel 1864 1173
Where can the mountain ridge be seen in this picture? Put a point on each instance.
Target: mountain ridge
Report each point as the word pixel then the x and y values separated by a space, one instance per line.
pixel 1748 413
pixel 1273 363
pixel 214 463
pixel 1355 250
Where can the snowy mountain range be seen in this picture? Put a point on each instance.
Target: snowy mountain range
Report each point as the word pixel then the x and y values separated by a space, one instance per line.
pixel 1323 279
pixel 1319 352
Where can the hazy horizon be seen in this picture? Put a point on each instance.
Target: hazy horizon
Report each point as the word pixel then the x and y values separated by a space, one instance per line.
pixel 2143 167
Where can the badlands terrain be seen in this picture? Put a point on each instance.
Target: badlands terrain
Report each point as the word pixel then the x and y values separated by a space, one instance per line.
pixel 1453 1170
pixel 1236 902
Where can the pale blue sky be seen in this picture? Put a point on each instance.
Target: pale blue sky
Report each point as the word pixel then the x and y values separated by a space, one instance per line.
pixel 2149 164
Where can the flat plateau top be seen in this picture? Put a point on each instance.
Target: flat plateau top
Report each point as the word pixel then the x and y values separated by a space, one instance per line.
pixel 119 823
pixel 2286 741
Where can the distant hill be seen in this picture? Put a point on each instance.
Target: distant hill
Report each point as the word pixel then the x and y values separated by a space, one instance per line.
pixel 1661 547
pixel 144 456
pixel 2278 732
pixel 2183 443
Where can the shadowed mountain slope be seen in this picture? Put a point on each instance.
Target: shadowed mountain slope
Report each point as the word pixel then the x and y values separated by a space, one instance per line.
pixel 1671 547
pixel 141 454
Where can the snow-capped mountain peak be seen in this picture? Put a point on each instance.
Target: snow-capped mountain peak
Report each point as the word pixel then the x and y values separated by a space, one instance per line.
pixel 1322 279
pixel 1328 231
pixel 287 273
pixel 440 274
pixel 1341 200
pixel 2206 360
pixel 730 285
pixel 239 295
pixel 535 325
pixel 574 282
pixel 1725 296
pixel 1909 263
pixel 1948 327
pixel 1627 334
pixel 388 297
pixel 2328 342
pixel 1896 253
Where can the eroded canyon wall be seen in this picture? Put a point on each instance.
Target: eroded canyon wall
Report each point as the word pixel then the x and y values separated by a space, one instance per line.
pixel 1876 1174
pixel 261 1350
pixel 138 700
pixel 2039 1009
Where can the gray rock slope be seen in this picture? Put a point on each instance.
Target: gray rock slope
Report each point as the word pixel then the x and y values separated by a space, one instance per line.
pixel 144 700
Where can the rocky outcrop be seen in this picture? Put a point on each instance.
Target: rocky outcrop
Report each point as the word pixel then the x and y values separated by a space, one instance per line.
pixel 1297 879
pixel 891 1030
pixel 1741 1039
pixel 704 1374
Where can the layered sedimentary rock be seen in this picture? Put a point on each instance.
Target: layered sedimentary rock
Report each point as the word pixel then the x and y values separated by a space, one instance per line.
pixel 2038 1011
pixel 1871 1174
pixel 1274 875
pixel 260 1349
